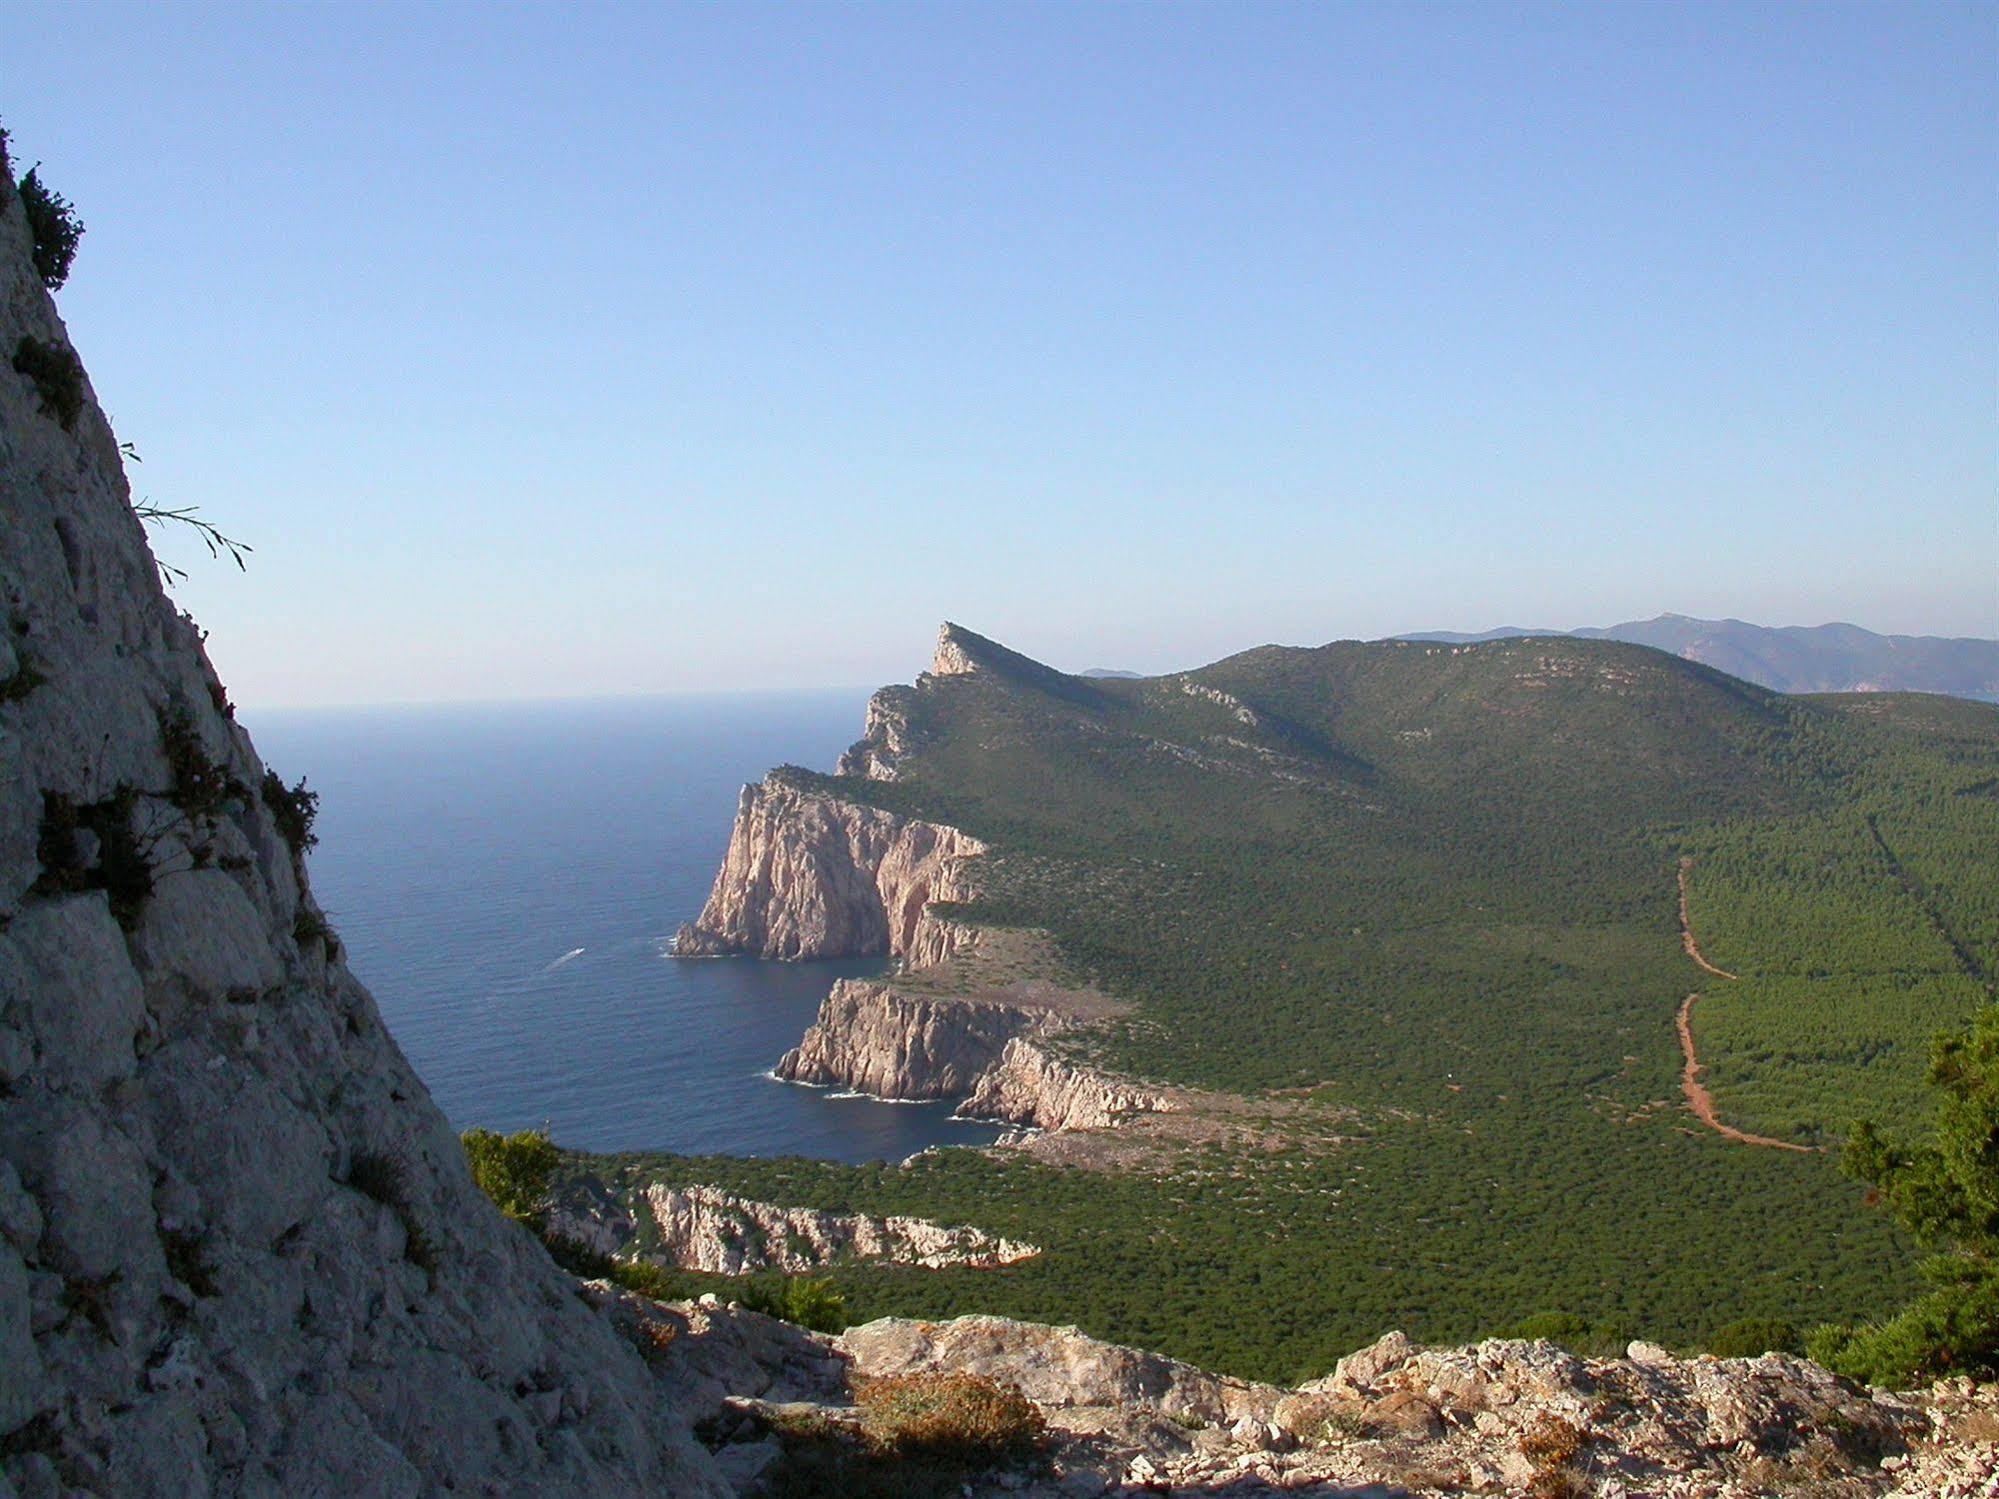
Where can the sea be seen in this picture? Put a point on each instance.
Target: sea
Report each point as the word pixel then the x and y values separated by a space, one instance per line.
pixel 506 880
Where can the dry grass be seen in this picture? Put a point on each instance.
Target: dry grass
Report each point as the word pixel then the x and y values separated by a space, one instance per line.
pixel 1552 1445
pixel 962 1418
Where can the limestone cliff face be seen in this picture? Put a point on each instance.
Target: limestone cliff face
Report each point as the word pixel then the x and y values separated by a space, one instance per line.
pixel 1029 1085
pixel 811 876
pixel 875 1038
pixel 886 736
pixel 240 1252
pixel 704 1228
pixel 893 1042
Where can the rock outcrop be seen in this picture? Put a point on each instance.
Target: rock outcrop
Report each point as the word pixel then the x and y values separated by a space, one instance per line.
pixel 898 1042
pixel 886 736
pixel 1057 1367
pixel 895 1043
pixel 240 1251
pixel 808 875
pixel 1498 1418
pixel 1031 1086
pixel 707 1229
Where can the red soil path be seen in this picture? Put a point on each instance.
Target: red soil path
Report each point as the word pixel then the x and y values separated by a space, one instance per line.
pixel 1698 1097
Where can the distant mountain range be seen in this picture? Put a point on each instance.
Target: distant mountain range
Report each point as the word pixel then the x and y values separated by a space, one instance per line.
pixel 1799 658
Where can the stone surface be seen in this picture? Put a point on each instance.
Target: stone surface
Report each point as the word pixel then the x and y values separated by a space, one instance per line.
pixel 707 1229
pixel 1393 1421
pixel 893 1043
pixel 240 1252
pixel 808 875
pixel 1030 1085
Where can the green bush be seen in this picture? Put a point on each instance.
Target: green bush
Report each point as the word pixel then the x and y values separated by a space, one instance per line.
pixel 55 227
pixel 1751 1337
pixel 1944 1191
pixel 58 377
pixel 514 1170
pixel 808 1303
pixel 293 809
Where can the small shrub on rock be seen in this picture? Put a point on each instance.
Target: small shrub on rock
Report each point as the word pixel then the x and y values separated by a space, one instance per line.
pixel 1551 1446
pixel 808 1303
pixel 55 227
pixel 199 786
pixel 514 1170
pixel 957 1418
pixel 92 847
pixel 293 809
pixel 58 377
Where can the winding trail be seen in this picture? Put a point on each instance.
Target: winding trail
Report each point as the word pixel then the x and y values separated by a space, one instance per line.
pixel 1687 932
pixel 1698 1097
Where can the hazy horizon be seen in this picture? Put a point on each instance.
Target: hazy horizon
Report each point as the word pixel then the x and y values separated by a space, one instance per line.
pixel 628 351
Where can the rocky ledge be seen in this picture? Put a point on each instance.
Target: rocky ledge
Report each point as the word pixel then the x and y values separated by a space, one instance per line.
pixel 1395 1419
pixel 808 875
pixel 707 1229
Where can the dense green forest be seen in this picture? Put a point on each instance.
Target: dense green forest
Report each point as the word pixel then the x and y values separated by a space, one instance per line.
pixel 1435 886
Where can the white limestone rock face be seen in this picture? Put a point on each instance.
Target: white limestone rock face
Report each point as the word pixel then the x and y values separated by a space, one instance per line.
pixel 1055 1367
pixel 808 875
pixel 1029 1085
pixel 892 1043
pixel 704 1228
pixel 240 1253
pixel 886 736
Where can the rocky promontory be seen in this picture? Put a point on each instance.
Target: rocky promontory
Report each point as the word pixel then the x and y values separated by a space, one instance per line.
pixel 893 1042
pixel 809 875
pixel 1031 1086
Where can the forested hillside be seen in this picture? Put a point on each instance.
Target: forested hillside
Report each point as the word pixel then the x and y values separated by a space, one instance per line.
pixel 1429 893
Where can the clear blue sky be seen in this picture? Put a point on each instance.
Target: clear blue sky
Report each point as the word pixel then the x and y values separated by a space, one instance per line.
pixel 550 350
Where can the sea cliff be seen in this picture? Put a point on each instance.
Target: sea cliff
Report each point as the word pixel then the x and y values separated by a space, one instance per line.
pixel 808 875
pixel 875 1038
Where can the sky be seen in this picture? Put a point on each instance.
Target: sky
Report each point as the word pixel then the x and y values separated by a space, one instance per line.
pixel 579 350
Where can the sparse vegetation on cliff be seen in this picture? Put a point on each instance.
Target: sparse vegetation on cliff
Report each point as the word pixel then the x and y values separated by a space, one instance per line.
pixel 56 229
pixel 58 377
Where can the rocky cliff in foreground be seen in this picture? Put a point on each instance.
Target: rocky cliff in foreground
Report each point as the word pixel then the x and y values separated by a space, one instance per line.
pixel 240 1253
pixel 1392 1421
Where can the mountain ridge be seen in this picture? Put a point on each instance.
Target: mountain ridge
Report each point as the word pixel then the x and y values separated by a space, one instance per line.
pixel 1834 657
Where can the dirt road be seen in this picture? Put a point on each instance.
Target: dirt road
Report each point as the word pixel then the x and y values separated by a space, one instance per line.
pixel 1698 1097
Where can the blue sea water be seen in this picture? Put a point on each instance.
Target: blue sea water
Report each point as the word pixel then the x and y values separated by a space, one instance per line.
pixel 505 879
